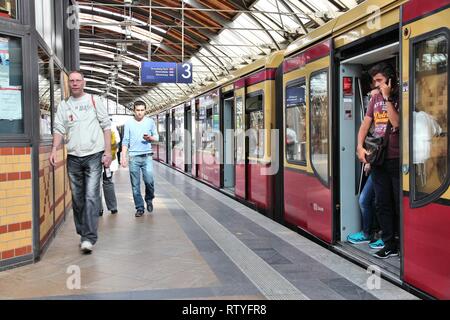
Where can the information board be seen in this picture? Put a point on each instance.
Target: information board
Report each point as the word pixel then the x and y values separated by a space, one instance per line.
pixel 165 72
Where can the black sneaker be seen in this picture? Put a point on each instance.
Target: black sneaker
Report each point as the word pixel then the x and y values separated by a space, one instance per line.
pixel 139 213
pixel 149 206
pixel 113 211
pixel 100 213
pixel 386 253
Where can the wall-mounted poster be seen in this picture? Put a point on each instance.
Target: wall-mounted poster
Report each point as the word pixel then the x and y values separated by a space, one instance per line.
pixel 11 106
pixel 4 62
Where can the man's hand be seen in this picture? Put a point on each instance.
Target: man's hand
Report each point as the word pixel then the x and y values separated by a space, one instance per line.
pixel 107 159
pixel 361 152
pixel 53 157
pixel 149 138
pixel 386 89
pixel 123 161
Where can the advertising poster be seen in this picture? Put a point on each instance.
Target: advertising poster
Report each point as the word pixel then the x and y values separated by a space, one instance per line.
pixel 11 106
pixel 4 62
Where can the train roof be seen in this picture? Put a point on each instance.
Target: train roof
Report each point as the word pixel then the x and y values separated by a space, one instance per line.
pixel 270 61
pixel 361 12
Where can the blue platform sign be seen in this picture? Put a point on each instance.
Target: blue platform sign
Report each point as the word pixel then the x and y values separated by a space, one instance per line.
pixel 166 72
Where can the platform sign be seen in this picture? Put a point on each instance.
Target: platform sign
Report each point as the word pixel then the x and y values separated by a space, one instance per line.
pixel 184 72
pixel 165 72
pixel 158 72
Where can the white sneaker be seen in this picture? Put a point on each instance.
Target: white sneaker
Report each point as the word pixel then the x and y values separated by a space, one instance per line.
pixel 86 247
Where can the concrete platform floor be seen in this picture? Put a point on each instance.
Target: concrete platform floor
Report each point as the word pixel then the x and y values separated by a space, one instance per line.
pixel 197 244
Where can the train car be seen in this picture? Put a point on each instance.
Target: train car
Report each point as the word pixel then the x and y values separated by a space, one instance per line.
pixel 255 115
pixel 325 92
pixel 240 110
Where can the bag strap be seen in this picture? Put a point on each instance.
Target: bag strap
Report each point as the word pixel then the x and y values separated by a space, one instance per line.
pixel 93 102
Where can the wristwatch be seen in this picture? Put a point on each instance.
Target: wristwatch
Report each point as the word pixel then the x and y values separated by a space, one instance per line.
pixel 388 99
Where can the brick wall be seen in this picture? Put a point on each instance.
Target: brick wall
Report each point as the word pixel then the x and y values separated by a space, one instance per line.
pixel 15 203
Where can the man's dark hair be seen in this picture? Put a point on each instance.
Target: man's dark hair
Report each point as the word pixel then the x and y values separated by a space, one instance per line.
pixel 388 71
pixel 139 103
pixel 384 68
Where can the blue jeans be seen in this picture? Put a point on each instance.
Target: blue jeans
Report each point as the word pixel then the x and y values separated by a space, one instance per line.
pixel 367 205
pixel 142 163
pixel 84 175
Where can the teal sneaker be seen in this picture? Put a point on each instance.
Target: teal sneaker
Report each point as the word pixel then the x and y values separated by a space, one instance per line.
pixel 357 238
pixel 378 244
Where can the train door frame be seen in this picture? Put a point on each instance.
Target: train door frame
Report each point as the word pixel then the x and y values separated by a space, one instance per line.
pixel 169 138
pixel 240 159
pixel 228 168
pixel 195 141
pixel 188 138
pixel 343 56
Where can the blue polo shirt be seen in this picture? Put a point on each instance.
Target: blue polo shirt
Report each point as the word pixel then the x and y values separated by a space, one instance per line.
pixel 133 136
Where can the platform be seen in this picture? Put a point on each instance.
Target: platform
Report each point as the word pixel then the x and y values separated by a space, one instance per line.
pixel 197 244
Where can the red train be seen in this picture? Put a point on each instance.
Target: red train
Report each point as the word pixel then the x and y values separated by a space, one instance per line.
pixel 280 134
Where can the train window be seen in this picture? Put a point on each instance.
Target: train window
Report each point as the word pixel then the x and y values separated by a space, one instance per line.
pixel 430 116
pixel 295 134
pixel 318 88
pixel 254 109
pixel 240 130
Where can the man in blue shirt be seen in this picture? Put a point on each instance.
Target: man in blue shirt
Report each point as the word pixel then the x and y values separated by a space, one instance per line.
pixel 139 133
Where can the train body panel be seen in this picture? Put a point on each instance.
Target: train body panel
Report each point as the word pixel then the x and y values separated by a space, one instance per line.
pixel 425 161
pixel 426 248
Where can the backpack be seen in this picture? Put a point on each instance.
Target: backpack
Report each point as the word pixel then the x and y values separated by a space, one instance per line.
pixel 113 145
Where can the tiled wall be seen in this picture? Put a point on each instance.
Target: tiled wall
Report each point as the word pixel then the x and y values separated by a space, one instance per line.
pixel 15 203
pixel 53 199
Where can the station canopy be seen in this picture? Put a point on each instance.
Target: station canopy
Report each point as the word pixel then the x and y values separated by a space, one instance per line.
pixel 216 37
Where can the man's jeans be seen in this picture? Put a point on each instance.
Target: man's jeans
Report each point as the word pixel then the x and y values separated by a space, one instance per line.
pixel 386 181
pixel 368 206
pixel 84 175
pixel 109 192
pixel 144 163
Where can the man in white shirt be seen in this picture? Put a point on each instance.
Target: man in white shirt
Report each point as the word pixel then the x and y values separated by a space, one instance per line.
pixel 84 120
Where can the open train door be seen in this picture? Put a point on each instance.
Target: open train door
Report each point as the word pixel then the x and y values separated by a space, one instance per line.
pixel 425 158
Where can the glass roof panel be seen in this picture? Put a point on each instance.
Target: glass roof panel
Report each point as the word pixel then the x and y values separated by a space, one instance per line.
pixel 250 36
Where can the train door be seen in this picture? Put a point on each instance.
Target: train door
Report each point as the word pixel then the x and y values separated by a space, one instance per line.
pixel 350 118
pixel 169 138
pixel 188 139
pixel 228 130
pixel 307 171
pixel 425 159
pixel 240 143
pixel 354 96
pixel 195 135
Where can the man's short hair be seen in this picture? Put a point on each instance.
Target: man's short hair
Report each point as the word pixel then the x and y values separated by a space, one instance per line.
pixel 77 71
pixel 385 69
pixel 139 103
